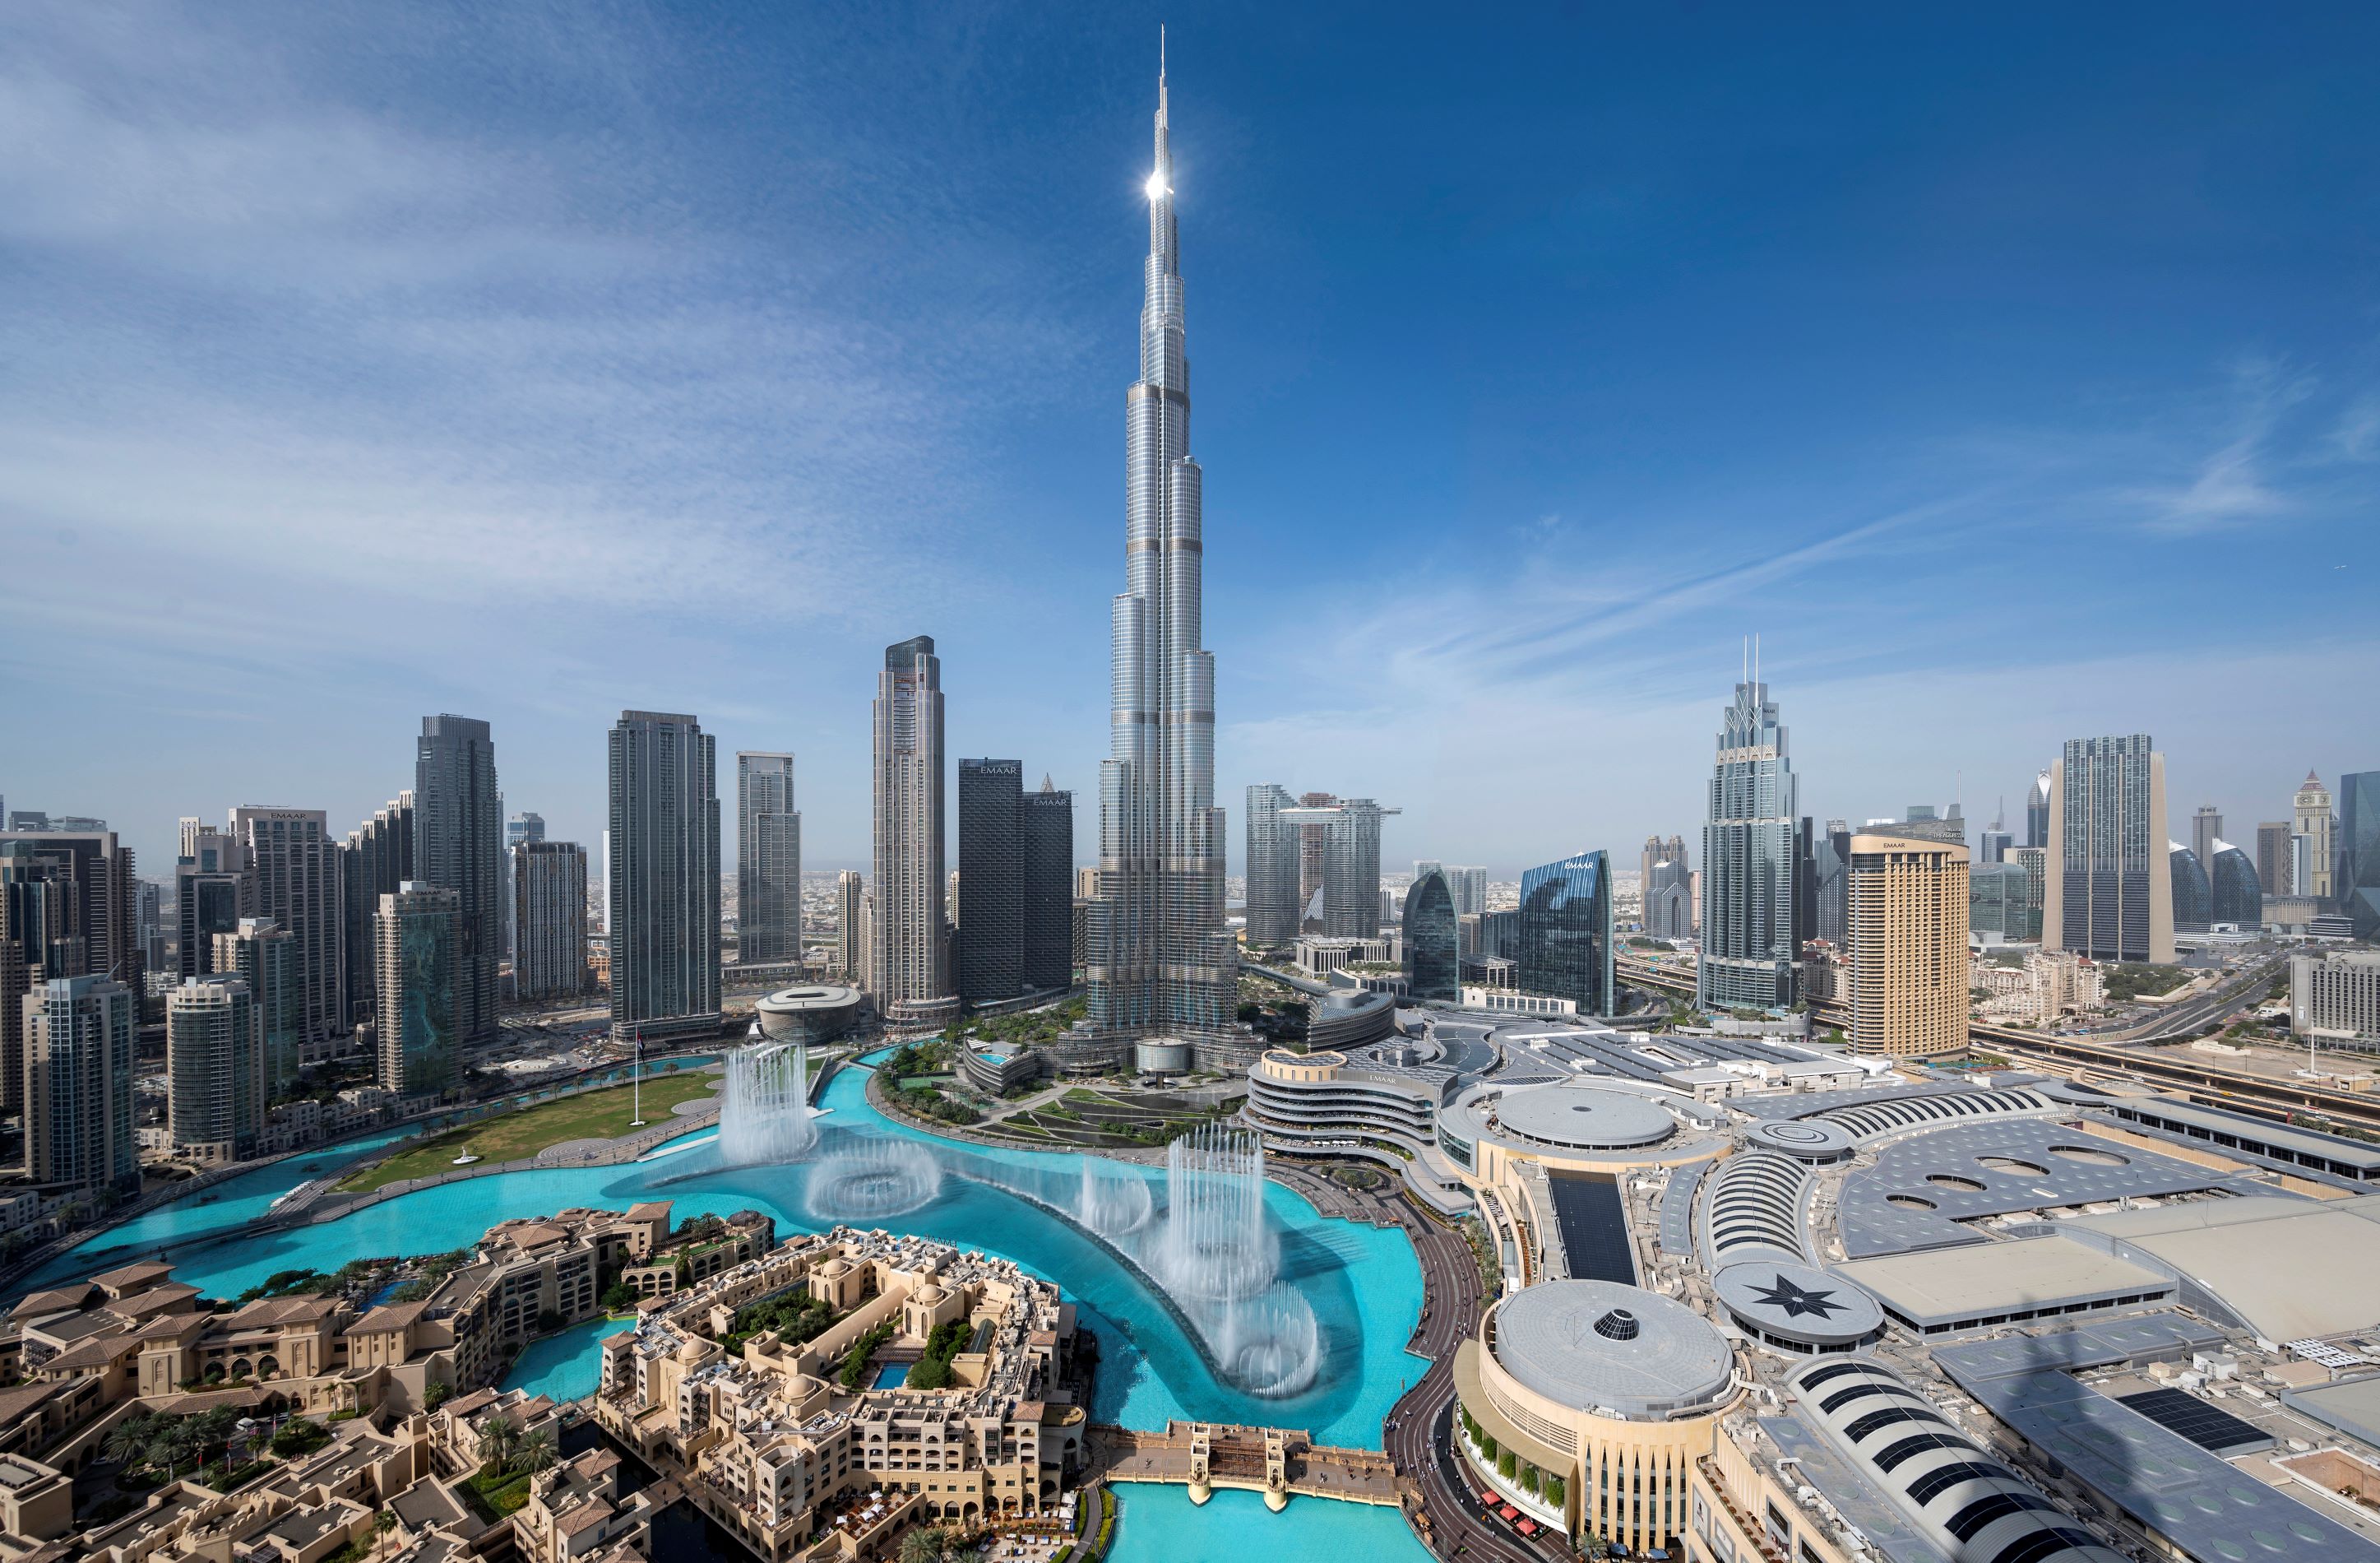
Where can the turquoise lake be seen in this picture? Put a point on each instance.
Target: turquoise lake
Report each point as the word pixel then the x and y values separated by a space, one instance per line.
pixel 1362 1282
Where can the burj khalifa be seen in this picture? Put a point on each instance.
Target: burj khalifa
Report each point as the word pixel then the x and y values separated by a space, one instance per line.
pixel 1161 970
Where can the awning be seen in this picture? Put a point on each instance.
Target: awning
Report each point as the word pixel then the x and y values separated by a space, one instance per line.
pixel 1491 1500
pixel 1527 1526
pixel 1509 1512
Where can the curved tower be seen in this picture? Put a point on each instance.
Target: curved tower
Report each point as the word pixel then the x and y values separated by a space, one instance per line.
pixel 1160 963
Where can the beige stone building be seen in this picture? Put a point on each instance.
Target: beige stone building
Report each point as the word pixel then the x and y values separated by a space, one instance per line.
pixel 1907 958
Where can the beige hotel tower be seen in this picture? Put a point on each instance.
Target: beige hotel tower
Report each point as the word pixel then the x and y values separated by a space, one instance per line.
pixel 1907 930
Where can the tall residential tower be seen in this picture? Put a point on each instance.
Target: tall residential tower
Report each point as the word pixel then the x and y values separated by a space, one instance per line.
pixel 909 950
pixel 768 860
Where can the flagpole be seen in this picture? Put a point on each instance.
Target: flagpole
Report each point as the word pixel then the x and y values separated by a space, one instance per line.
pixel 636 1084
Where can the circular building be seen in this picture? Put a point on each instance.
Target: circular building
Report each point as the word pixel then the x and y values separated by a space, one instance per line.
pixel 811 1014
pixel 1603 1395
pixel 1797 1309
pixel 1579 1117
pixel 1813 1141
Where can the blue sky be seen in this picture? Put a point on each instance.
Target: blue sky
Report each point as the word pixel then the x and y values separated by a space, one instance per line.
pixel 2014 377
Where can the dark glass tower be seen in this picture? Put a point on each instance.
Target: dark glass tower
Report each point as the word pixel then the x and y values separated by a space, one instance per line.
pixel 2356 884
pixel 2193 893
pixel 1565 944
pixel 1274 855
pixel 663 888
pixel 2238 895
pixel 1433 951
pixel 1046 825
pixel 991 880
pixel 1750 862
pixel 458 841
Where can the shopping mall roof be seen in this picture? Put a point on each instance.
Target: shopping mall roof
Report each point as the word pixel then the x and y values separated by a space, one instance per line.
pixel 1599 1345
pixel 2290 1269
pixel 1949 1288
pixel 1581 1118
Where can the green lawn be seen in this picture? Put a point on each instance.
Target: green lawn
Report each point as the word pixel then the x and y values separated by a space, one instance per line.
pixel 597 1114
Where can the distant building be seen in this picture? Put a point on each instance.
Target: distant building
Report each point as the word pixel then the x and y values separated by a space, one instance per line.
pixel 2034 860
pixel 2335 998
pixel 663 873
pixel 2238 898
pixel 295 868
pixel 768 860
pixel 548 880
pixel 909 945
pixel 1274 857
pixel 1565 933
pixel 1996 904
pixel 1831 854
pixel 2106 896
pixel 1993 842
pixel 261 954
pixel 458 841
pixel 2356 889
pixel 1668 897
pixel 216 1084
pixel 518 827
pixel 2206 825
pixel 150 913
pixel 418 936
pixel 69 906
pixel 1751 948
pixel 2274 855
pixel 1924 824
pixel 1433 960
pixel 376 859
pixel 1345 901
pixel 77 1099
pixel 2037 811
pixel 213 890
pixel 1907 960
pixel 1469 883
pixel 2193 892
pixel 2314 820
pixel 851 925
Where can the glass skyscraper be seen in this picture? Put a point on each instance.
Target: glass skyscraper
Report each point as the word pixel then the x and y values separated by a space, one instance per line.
pixel 1997 901
pixel 768 858
pixel 2193 893
pixel 2110 890
pixel 2356 888
pixel 1272 867
pixel 1751 944
pixel 1433 954
pixel 662 877
pixel 458 841
pixel 2238 896
pixel 1161 963
pixel 1565 927
pixel 991 880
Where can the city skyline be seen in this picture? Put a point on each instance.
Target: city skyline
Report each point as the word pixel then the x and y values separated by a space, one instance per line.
pixel 2223 422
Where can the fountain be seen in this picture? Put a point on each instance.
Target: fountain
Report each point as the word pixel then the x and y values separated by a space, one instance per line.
pixel 765 1116
pixel 1113 1201
pixel 1219 1261
pixel 872 1179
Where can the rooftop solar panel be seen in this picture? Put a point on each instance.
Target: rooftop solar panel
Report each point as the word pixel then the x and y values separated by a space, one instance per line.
pixel 2210 1427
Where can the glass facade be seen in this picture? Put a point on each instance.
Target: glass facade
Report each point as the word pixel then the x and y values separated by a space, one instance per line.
pixel 2238 895
pixel 1565 932
pixel 1751 862
pixel 1433 955
pixel 2109 823
pixel 2193 893
pixel 2356 888
pixel 1996 898
pixel 1272 865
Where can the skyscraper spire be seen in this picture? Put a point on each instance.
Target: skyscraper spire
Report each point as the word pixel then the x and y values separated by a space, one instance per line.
pixel 1160 963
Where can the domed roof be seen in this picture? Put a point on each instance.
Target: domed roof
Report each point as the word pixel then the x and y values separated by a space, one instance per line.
pixel 1601 1346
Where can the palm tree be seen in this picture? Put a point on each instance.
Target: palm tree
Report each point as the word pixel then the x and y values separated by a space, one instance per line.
pixel 924 1544
pixel 536 1450
pixel 128 1442
pixel 498 1438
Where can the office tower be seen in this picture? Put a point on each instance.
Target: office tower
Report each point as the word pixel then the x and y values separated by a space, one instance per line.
pixel 28 819
pixel 38 820
pixel 909 944
pixel 417 941
pixel 78 1087
pixel 518 827
pixel 458 841
pixel 851 926
pixel 1162 963
pixel 1565 933
pixel 295 867
pixel 261 954
pixel 376 859
pixel 1048 827
pixel 1310 838
pixel 664 889
pixel 2272 858
pixel 1433 958
pixel 1275 856
pixel 1751 948
pixel 1992 845
pixel 1645 861
pixel 2037 811
pixel 2205 827
pixel 213 890
pixel 1668 898
pixel 991 880
pixel 1907 960
pixel 768 860
pixel 1469 883
pixel 1392 907
pixel 2318 825
pixel 1830 865
pixel 1426 865
pixel 148 912
pixel 2034 860
pixel 216 1085
pixel 548 880
pixel 1924 824
pixel 2335 998
pixel 2355 890
pixel 2239 896
pixel 1996 904
pixel 2106 896
pixel 1805 888
pixel 1500 933
pixel 1348 895
pixel 2300 878
pixel 87 924
pixel 2193 891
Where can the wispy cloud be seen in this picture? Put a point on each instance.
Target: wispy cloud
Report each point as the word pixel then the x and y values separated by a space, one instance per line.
pixel 2236 484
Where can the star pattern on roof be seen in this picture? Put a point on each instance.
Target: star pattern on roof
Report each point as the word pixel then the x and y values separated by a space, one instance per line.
pixel 1797 1300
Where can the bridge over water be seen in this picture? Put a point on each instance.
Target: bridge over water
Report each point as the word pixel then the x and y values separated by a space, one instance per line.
pixel 1278 1462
